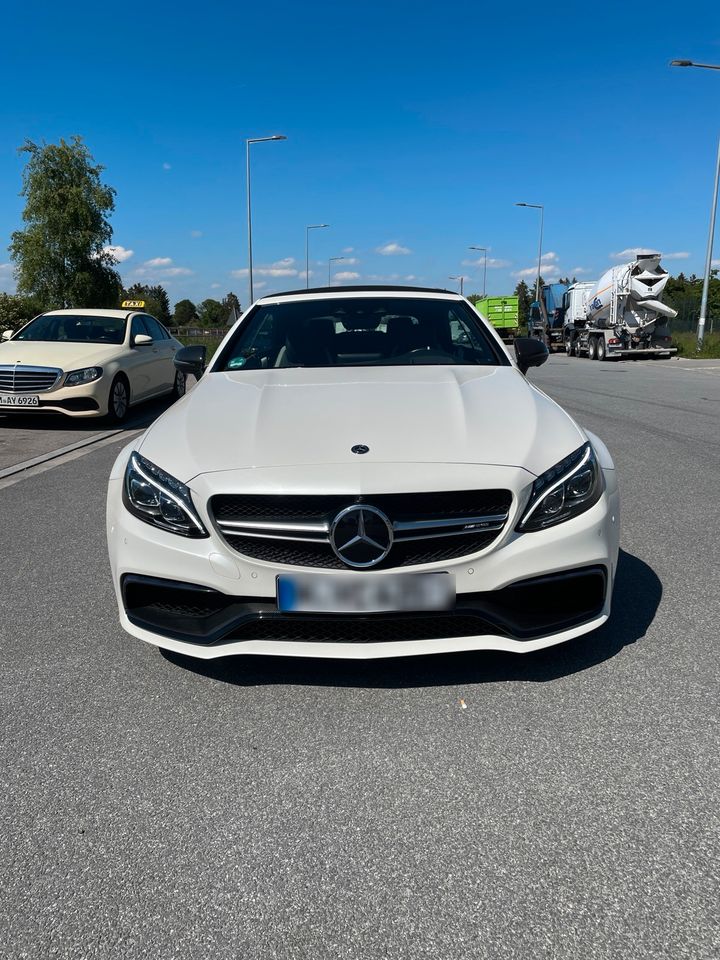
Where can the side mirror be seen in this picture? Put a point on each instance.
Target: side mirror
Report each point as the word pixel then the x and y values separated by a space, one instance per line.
pixel 191 360
pixel 141 339
pixel 530 352
pixel 7 334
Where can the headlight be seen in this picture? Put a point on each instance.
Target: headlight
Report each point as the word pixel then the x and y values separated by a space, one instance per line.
pixel 159 499
pixel 569 488
pixel 86 375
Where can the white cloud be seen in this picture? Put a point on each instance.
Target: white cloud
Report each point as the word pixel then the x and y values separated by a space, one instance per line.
pixel 680 255
pixel 214 286
pixel 167 166
pixel 392 250
pixel 121 254
pixel 346 275
pixel 630 253
pixel 160 268
pixel 196 233
pixel 549 257
pixel 492 263
pixel 548 271
pixel 348 250
pixel 350 261
pixel 177 272
pixel 6 277
pixel 259 284
pixel 715 263
pixel 579 271
pixel 410 276
pixel 280 268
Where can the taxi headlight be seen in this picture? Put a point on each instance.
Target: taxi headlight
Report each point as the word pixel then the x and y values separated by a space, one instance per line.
pixel 86 375
pixel 564 491
pixel 154 496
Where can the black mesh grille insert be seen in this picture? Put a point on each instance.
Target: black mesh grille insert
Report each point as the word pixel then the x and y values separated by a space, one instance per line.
pixel 382 630
pixel 398 507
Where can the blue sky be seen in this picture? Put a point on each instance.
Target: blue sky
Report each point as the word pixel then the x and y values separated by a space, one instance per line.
pixel 412 130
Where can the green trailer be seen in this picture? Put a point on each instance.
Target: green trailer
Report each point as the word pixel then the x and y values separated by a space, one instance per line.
pixel 503 313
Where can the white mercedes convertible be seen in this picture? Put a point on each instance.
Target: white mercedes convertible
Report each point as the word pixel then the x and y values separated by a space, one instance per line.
pixel 363 472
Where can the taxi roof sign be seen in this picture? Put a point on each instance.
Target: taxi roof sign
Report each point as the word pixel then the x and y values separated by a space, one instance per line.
pixel 134 304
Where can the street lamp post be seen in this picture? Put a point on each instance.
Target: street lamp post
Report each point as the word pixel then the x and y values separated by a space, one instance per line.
pixel 461 279
pixel 541 208
pixel 484 251
pixel 313 226
pixel 249 208
pixel 713 212
pixel 331 261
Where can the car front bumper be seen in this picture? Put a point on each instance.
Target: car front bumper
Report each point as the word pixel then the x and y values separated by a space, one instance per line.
pixel 83 400
pixel 525 592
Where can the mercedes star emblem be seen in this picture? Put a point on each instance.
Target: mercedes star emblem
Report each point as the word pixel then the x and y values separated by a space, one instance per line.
pixel 361 536
pixel 360 448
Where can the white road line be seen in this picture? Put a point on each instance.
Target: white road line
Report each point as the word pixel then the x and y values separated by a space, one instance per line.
pixel 31 468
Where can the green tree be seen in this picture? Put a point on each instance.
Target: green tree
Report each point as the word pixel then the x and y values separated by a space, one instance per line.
pixel 61 253
pixel 156 300
pixel 211 313
pixel 15 311
pixel 525 297
pixel 229 303
pixel 185 313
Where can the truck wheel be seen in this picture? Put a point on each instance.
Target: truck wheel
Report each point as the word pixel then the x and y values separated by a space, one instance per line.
pixel 601 349
pixel 592 349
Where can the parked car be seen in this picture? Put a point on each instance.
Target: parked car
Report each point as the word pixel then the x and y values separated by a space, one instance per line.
pixel 87 363
pixel 340 483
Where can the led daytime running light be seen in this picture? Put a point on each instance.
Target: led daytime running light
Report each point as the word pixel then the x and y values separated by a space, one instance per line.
pixel 162 482
pixel 558 483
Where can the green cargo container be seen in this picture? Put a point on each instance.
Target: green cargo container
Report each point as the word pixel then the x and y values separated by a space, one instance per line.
pixel 502 312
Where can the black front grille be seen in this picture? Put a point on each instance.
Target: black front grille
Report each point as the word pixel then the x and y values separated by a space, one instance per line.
pixel 19 379
pixel 403 554
pixel 398 507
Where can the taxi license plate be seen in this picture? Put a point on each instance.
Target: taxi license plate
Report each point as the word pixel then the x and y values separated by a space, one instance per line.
pixel 19 400
pixel 360 593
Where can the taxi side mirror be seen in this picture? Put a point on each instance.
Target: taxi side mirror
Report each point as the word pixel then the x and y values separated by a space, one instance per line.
pixel 141 339
pixel 191 360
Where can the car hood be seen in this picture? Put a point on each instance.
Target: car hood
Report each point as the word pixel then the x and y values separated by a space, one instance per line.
pixel 304 417
pixel 58 353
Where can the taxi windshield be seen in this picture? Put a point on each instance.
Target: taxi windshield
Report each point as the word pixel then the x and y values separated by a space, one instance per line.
pixel 74 328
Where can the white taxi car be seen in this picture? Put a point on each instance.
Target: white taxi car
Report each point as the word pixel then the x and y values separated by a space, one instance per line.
pixel 340 484
pixel 88 363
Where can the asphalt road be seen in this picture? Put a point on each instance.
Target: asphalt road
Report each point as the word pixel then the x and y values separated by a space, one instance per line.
pixel 152 807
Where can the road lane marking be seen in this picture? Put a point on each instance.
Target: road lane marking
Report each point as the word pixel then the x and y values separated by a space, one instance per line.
pixel 32 468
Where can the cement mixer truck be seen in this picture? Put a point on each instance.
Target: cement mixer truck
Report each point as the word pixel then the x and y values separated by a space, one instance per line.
pixel 622 315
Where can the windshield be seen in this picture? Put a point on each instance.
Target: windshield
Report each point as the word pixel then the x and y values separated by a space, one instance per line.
pixel 74 328
pixel 361 331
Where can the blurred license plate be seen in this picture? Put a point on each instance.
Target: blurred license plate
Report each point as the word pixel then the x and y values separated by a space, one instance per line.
pixel 360 593
pixel 21 400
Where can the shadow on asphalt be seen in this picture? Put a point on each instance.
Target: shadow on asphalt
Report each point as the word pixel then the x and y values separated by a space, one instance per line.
pixel 139 416
pixel 637 596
